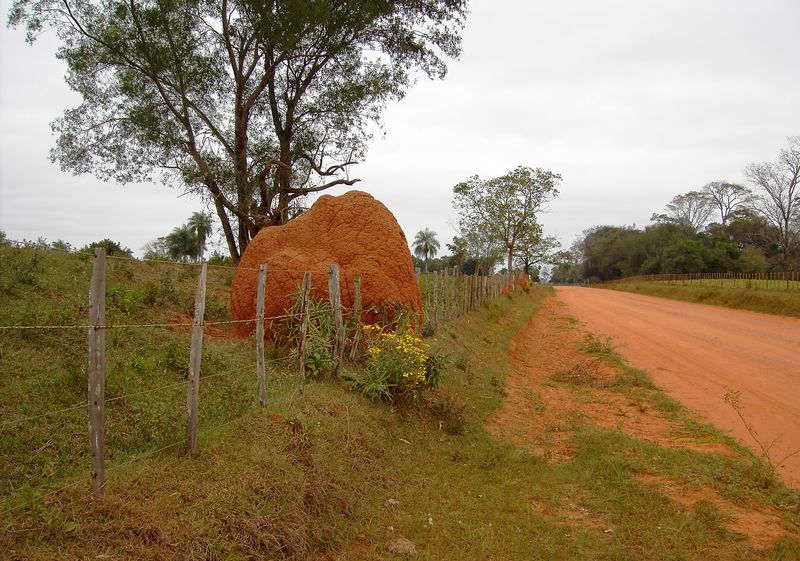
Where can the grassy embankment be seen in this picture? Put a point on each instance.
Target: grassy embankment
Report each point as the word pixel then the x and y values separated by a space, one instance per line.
pixel 785 303
pixel 329 474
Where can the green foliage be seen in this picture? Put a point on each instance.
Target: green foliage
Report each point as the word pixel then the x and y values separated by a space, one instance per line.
pixel 18 270
pixel 611 252
pixel 319 334
pixel 61 245
pixel 112 248
pixel 217 258
pixel 182 244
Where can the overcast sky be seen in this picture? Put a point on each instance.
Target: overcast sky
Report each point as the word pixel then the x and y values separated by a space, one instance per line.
pixel 631 101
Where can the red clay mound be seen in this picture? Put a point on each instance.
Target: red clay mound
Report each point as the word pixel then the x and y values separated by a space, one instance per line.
pixel 353 230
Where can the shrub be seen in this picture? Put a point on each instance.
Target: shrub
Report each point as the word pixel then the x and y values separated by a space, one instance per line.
pixel 112 248
pixel 398 366
pixel 319 334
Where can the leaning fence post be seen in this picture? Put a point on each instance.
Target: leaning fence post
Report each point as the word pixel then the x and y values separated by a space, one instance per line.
pixel 195 354
pixel 303 352
pixel 338 321
pixel 260 373
pixel 97 370
pixel 357 315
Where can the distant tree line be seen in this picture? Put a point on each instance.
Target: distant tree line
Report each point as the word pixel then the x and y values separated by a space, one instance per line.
pixel 722 227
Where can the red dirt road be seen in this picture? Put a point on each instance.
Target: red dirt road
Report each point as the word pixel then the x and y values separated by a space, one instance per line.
pixel 697 353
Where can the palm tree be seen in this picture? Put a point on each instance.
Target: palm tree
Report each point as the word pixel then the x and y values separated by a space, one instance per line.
pixel 200 224
pixel 182 244
pixel 426 245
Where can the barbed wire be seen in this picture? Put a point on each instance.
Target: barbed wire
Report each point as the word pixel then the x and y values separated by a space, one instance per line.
pixel 84 404
pixel 12 422
pixel 287 398
pixel 145 325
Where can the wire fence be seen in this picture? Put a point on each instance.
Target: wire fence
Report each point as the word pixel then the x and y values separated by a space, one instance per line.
pixel 142 414
pixel 783 281
pixel 448 294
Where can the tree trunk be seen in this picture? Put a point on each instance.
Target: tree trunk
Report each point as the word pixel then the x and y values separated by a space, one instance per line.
pixel 227 230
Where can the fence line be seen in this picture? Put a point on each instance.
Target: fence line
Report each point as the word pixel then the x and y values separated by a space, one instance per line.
pixel 448 294
pixel 452 295
pixel 784 280
pixel 82 404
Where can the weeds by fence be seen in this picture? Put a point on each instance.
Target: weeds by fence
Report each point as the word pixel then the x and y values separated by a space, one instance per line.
pixel 133 407
pixel 787 280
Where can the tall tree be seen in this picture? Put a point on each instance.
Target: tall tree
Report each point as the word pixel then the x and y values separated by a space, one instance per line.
pixel 534 248
pixel 459 250
pixel 689 211
pixel 778 195
pixel 426 245
pixel 726 197
pixel 201 225
pixel 506 206
pixel 249 104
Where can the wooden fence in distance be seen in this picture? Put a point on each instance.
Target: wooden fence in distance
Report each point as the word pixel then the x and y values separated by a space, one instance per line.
pixel 786 280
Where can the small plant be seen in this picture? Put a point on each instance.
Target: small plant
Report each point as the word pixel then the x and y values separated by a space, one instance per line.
pixel 319 334
pixel 318 364
pixel 597 346
pixel 449 411
pixel 462 362
pixel 585 373
pixel 734 399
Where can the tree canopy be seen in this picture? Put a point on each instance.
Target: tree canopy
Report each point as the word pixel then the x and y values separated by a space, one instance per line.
pixel 504 208
pixel 252 105
pixel 777 197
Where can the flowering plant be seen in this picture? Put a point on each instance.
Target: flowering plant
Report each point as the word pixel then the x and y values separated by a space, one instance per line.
pixel 396 364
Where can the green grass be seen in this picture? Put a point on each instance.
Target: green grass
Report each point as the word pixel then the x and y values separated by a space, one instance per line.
pixel 785 303
pixel 312 477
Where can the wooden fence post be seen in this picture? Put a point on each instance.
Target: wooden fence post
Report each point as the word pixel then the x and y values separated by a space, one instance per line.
pixel 97 370
pixel 260 373
pixel 357 315
pixel 338 321
pixel 446 298
pixel 303 351
pixel 435 301
pixel 195 355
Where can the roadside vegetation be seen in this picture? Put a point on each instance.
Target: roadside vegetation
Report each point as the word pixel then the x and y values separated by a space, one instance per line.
pixel 332 473
pixel 784 303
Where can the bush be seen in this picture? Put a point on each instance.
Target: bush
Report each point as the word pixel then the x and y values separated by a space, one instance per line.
pixel 319 334
pixel 112 248
pixel 398 366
